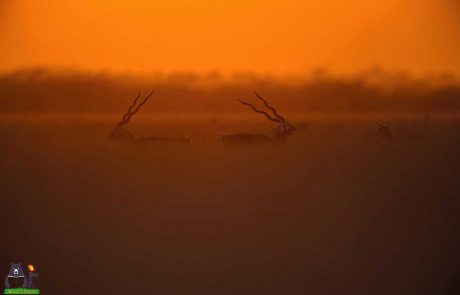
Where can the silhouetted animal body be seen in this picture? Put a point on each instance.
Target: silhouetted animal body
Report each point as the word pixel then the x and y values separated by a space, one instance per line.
pixel 121 133
pixel 384 132
pixel 283 130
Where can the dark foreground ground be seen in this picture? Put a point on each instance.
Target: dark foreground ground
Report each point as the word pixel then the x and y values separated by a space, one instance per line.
pixel 333 211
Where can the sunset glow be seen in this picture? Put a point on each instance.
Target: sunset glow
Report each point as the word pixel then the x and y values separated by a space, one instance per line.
pixel 270 36
pixel 230 146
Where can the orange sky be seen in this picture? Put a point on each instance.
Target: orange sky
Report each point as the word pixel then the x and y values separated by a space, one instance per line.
pixel 265 36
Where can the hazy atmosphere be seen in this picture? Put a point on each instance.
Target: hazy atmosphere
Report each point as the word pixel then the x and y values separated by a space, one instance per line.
pixel 230 147
pixel 270 36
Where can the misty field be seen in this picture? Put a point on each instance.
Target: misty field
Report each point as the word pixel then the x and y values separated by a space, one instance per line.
pixel 335 210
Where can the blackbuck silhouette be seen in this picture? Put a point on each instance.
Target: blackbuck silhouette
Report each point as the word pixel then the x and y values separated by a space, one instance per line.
pixel 385 133
pixel 283 130
pixel 122 133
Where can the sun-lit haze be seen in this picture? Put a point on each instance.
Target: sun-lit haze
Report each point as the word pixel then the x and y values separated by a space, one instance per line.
pixel 269 36
pixel 230 146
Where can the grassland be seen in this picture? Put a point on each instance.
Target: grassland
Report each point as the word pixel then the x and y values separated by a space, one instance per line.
pixel 335 210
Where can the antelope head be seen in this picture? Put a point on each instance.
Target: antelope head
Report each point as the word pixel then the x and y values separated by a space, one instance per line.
pixel 284 128
pixel 120 131
pixel 384 131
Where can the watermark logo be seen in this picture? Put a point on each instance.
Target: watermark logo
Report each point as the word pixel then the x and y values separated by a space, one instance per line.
pixel 17 282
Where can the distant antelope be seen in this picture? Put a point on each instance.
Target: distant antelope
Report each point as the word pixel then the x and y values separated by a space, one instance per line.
pixel 279 134
pixel 121 133
pixel 385 133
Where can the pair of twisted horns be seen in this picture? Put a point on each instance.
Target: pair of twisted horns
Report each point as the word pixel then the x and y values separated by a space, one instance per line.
pixel 278 119
pixel 127 116
pixel 134 108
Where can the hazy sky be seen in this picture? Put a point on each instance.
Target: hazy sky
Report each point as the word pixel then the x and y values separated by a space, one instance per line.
pixel 266 36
